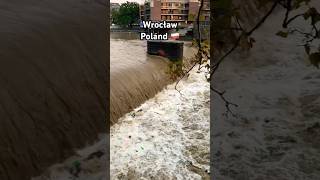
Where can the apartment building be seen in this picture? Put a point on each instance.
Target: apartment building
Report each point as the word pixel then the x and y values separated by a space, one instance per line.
pixel 114 6
pixel 204 23
pixel 181 11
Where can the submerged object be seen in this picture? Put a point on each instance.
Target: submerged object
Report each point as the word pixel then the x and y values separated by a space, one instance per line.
pixel 173 50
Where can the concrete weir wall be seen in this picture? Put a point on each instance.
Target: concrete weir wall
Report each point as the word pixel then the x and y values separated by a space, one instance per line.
pixel 53 81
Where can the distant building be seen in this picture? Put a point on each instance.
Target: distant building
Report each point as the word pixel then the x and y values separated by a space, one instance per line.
pixel 182 11
pixel 204 22
pixel 113 6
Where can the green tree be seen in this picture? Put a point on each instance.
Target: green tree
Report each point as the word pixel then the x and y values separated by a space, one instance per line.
pixel 127 15
pixel 114 16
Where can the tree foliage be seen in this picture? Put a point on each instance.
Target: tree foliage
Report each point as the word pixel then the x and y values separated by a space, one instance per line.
pixel 126 15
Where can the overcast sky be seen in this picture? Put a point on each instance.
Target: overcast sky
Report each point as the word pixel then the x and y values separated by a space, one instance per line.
pixel 123 1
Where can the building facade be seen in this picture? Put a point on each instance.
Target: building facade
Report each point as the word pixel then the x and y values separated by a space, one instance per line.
pixel 114 6
pixel 204 22
pixel 181 11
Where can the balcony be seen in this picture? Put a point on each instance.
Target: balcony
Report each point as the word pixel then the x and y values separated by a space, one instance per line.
pixel 174 11
pixel 175 7
pixel 174 14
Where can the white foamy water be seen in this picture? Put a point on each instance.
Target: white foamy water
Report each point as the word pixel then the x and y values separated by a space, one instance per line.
pixel 135 76
pixel 167 137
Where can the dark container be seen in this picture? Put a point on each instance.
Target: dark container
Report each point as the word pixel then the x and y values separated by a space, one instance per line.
pixel 173 50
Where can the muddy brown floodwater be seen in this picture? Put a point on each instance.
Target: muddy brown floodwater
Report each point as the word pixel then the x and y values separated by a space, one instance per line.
pixel 135 75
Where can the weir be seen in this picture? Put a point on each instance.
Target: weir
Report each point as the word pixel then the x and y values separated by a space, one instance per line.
pixel 135 76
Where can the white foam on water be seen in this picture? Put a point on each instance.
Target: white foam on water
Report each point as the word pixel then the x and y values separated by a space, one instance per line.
pixel 159 140
pixel 156 139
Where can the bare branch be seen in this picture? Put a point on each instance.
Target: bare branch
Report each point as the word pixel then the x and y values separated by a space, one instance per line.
pixel 200 51
pixel 227 103
pixel 236 44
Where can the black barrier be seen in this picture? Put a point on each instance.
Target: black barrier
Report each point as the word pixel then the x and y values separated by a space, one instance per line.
pixel 173 50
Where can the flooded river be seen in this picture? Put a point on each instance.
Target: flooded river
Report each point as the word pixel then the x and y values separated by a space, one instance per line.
pixel 167 137
pixel 157 133
pixel 135 75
